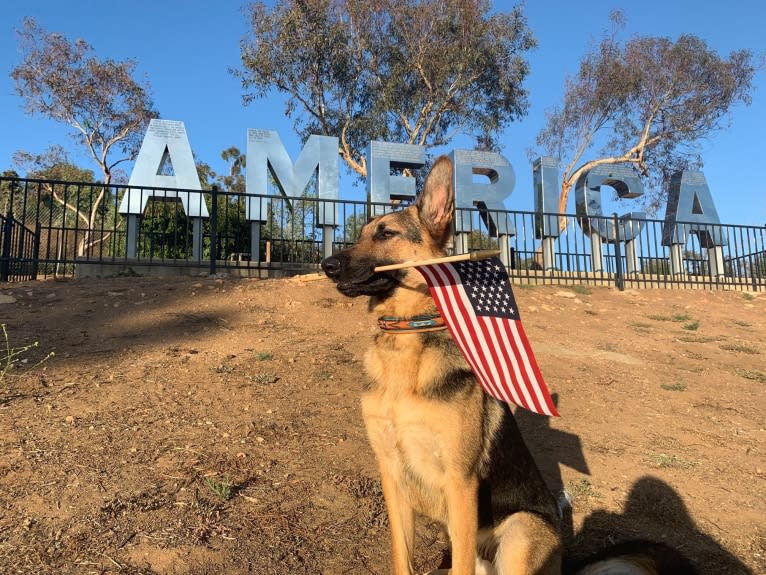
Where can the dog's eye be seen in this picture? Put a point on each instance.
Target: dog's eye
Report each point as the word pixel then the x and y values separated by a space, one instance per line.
pixel 385 234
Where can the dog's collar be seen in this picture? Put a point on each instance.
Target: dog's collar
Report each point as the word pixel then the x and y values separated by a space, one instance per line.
pixel 418 323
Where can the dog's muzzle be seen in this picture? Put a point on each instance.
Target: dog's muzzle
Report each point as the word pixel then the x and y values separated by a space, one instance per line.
pixel 358 277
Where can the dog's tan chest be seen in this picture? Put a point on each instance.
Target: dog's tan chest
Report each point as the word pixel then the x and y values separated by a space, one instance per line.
pixel 426 443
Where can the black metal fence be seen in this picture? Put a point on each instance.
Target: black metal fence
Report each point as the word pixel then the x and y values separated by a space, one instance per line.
pixel 19 249
pixel 84 229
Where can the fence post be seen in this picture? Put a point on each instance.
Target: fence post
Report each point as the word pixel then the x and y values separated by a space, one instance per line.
pixel 5 254
pixel 36 250
pixel 619 278
pixel 213 230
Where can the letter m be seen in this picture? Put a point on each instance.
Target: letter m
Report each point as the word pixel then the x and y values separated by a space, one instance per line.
pixel 267 156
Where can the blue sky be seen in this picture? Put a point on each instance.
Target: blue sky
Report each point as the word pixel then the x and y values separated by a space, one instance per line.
pixel 186 47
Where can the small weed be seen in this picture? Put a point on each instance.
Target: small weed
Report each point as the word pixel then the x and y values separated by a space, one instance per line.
pixel 669 461
pixel 696 369
pixel 751 374
pixel 748 296
pixel 223 369
pixel 607 346
pixel 264 378
pixel 582 290
pixel 679 317
pixel 323 375
pixel 739 347
pixel 696 338
pixel 660 317
pixel 678 386
pixel 12 357
pixel 582 489
pixel 223 489
pixel 640 326
pixel 128 273
pixel 262 356
pixel 692 325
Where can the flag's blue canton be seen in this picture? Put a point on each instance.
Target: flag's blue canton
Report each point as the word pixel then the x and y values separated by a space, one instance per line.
pixel 488 289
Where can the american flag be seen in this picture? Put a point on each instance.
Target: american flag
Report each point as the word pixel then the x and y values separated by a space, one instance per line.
pixel 477 303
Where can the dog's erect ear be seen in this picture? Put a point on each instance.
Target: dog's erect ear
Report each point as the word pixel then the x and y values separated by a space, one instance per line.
pixel 436 202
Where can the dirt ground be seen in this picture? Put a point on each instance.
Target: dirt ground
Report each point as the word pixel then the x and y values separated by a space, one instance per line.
pixel 212 425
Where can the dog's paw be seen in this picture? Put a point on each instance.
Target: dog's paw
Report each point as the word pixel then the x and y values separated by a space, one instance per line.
pixel 564 503
pixel 484 567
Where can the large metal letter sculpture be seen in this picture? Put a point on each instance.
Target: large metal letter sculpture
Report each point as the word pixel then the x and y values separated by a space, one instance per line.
pixel 382 186
pixel 690 209
pixel 164 140
pixel 266 154
pixel 545 180
pixel 627 184
pixel 488 197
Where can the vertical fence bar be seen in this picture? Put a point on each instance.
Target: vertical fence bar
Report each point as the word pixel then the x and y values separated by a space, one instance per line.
pixel 619 278
pixel 5 253
pixel 213 230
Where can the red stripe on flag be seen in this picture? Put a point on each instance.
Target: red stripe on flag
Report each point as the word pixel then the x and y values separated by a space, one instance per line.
pixel 539 386
pixel 510 354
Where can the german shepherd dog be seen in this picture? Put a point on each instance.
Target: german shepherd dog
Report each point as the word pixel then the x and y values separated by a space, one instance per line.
pixel 445 449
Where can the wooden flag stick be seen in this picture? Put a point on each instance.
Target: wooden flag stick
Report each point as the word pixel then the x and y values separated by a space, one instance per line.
pixel 473 256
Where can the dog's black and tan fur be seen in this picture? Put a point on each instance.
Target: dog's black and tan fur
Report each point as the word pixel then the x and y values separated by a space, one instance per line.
pixel 445 449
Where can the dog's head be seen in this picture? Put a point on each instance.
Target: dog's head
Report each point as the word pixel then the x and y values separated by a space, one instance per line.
pixel 418 232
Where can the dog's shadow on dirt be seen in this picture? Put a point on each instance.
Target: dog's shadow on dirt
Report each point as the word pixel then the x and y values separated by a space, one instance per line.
pixel 653 510
pixel 551 447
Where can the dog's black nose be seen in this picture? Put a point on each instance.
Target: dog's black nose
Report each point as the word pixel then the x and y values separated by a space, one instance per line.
pixel 331 266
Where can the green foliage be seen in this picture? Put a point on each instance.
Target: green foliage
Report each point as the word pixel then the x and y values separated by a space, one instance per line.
pixel 416 71
pixel 582 489
pixel 739 348
pixel 658 266
pixel 752 374
pixel 692 325
pixel 581 290
pixel 665 461
pixel 9 190
pixel 222 489
pixel 99 99
pixel 166 231
pixel 678 386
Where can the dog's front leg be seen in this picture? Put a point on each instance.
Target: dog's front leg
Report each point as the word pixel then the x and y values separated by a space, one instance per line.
pixel 401 519
pixel 463 523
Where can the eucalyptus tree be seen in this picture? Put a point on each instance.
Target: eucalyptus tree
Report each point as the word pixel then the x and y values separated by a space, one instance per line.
pixel 410 71
pixel 106 108
pixel 649 102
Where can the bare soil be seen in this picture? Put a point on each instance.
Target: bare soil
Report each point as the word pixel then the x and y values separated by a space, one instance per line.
pixel 212 426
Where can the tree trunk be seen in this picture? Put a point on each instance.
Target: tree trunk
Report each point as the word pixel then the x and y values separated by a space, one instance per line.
pixel 566 187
